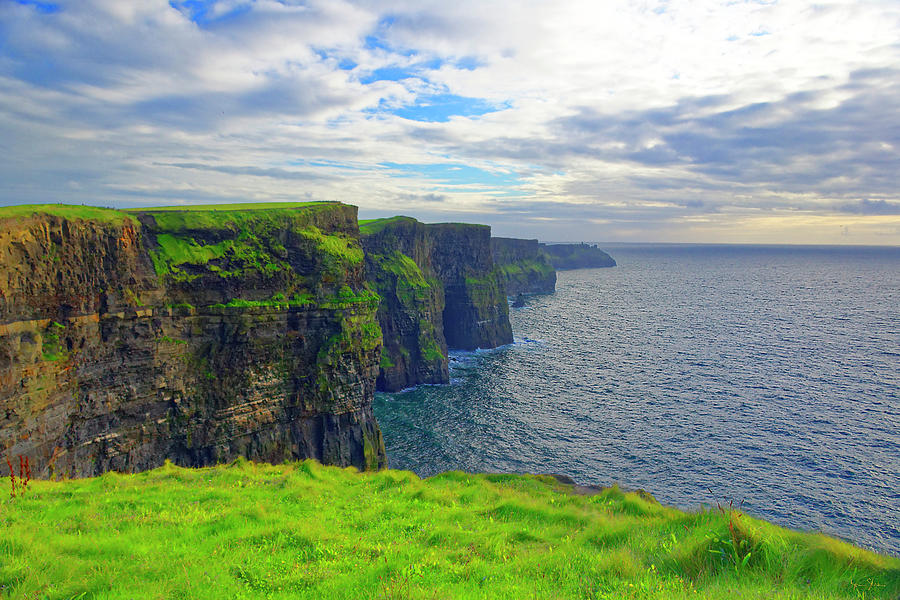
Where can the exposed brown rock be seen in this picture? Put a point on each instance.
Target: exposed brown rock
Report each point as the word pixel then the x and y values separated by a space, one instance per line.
pixel 113 366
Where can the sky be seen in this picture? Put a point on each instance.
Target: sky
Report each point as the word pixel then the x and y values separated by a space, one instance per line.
pixel 765 121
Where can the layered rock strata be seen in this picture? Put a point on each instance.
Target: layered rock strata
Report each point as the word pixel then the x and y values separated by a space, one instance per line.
pixel 440 289
pixel 476 312
pixel 191 335
pixel 398 266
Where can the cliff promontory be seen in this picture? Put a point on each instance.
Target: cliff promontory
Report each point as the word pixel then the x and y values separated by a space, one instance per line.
pixel 440 289
pixel 577 256
pixel 196 335
pixel 524 266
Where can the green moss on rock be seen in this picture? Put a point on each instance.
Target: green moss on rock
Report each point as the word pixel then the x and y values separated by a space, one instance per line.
pixel 233 217
pixel 428 345
pixel 359 333
pixel 241 252
pixel 51 345
pixel 174 251
pixel 403 267
pixel 524 266
pixel 342 248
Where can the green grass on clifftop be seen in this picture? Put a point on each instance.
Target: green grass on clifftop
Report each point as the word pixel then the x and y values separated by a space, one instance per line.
pixel 242 237
pixel 373 226
pixel 229 207
pixel 306 531
pixel 176 219
pixel 69 211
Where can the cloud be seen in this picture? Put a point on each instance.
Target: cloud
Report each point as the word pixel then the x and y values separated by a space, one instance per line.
pixel 417 198
pixel 564 116
pixel 253 171
pixel 873 207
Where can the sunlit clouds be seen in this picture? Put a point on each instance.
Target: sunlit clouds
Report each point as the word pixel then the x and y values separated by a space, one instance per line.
pixel 645 120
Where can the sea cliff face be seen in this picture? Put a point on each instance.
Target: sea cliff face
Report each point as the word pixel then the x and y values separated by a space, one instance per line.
pixel 204 334
pixel 439 290
pixel 524 266
pixel 411 313
pixel 476 313
pixel 197 336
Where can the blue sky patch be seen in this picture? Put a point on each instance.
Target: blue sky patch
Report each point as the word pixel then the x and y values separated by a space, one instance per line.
pixel 198 10
pixel 438 108
pixel 374 42
pixel 343 63
pixel 46 8
pixel 418 69
pixel 389 74
pixel 195 9
pixel 453 174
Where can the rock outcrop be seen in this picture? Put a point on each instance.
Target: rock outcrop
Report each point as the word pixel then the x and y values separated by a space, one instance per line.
pixel 127 338
pixel 524 266
pixel 439 289
pixel 577 256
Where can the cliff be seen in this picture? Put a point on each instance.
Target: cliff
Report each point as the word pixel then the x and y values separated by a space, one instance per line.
pixel 128 338
pixel 439 290
pixel 577 256
pixel 398 266
pixel 476 313
pixel 524 266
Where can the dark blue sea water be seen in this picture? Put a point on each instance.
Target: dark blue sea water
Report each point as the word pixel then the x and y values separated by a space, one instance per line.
pixel 765 375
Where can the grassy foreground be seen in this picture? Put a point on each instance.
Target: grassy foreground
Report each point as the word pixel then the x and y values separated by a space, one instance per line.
pixel 302 530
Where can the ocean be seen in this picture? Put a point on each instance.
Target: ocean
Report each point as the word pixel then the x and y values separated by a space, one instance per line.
pixel 768 376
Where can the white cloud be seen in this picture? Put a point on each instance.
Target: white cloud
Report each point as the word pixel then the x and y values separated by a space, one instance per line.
pixel 641 111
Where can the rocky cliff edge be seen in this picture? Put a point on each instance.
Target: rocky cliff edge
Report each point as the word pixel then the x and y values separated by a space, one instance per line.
pixel 196 335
